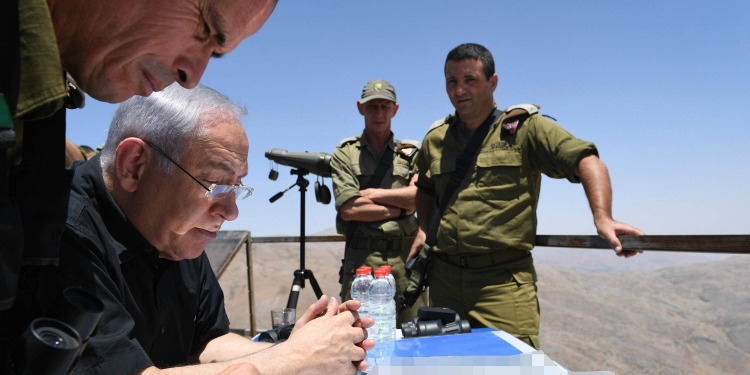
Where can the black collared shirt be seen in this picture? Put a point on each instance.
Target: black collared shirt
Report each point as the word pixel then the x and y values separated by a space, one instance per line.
pixel 157 311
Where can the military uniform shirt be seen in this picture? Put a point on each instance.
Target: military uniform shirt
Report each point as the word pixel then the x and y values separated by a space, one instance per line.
pixel 41 87
pixel 353 164
pixel 496 205
pixel 31 81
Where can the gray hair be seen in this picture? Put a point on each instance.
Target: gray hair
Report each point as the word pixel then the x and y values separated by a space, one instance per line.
pixel 170 119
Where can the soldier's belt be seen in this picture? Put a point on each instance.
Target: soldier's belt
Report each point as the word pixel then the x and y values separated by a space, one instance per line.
pixel 475 261
pixel 381 244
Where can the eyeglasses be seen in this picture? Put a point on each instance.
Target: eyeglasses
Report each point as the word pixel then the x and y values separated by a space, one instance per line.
pixel 214 191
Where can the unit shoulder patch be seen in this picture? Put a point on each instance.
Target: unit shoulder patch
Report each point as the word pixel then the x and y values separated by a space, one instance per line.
pixel 516 115
pixel 408 147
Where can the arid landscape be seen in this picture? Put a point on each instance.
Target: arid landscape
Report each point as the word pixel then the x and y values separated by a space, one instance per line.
pixel 658 313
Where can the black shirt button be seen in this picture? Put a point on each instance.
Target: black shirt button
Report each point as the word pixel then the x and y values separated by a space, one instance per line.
pixel 162 330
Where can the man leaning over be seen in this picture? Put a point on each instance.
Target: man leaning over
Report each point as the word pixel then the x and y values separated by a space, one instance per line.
pixel 51 52
pixel 373 178
pixel 482 265
pixel 140 215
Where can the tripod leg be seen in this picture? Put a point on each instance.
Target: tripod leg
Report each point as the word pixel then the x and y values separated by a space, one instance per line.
pixel 309 275
pixel 297 285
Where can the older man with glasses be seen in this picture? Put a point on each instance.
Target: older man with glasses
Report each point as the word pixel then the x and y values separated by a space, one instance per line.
pixel 140 215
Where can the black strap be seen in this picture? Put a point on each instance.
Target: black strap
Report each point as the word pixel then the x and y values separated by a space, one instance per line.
pixel 9 78
pixel 463 162
pixel 11 232
pixel 385 162
pixel 41 187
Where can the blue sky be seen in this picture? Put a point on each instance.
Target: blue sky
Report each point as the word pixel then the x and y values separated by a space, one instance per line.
pixel 661 87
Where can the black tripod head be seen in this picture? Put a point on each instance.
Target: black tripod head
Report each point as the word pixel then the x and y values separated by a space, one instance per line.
pixel 302 182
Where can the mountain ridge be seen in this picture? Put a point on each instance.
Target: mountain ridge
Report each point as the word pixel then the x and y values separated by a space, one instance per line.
pixel 656 313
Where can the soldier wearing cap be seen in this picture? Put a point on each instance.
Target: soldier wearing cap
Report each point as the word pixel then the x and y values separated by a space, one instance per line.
pixel 373 179
pixel 481 264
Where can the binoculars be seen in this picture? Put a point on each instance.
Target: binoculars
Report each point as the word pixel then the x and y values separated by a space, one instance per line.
pixel 435 321
pixel 53 344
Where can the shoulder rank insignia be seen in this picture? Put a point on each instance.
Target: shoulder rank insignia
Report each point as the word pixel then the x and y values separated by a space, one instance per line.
pixel 346 141
pixel 441 122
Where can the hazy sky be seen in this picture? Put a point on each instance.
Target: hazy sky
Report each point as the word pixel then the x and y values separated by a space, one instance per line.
pixel 661 87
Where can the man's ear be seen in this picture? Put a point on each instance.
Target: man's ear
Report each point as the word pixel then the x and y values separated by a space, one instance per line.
pixel 395 109
pixel 361 108
pixel 493 82
pixel 130 163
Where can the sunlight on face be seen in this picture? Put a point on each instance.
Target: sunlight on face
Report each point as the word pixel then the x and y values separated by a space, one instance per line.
pixel 181 219
pixel 470 92
pixel 153 44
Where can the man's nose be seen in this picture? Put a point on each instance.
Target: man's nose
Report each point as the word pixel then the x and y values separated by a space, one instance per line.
pixel 190 67
pixel 460 88
pixel 226 207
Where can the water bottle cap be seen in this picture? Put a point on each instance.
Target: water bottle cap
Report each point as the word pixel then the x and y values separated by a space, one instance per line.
pixel 380 272
pixel 362 271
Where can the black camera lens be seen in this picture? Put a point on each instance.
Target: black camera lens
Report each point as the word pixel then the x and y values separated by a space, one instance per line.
pixel 434 321
pixel 55 338
pixel 409 329
pixel 48 346
pixel 78 308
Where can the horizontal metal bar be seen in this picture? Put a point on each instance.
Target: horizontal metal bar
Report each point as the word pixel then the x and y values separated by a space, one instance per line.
pixel 731 244
pixel 278 239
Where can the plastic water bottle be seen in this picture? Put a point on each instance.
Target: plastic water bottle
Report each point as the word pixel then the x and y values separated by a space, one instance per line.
pixel 382 308
pixel 361 290
pixel 391 280
pixel 389 277
pixel 369 272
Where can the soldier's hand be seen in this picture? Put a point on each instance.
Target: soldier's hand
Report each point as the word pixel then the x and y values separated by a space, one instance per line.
pixel 609 230
pixel 419 241
pixel 414 179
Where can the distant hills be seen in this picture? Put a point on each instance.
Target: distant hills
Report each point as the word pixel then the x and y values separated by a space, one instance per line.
pixel 657 313
pixel 689 319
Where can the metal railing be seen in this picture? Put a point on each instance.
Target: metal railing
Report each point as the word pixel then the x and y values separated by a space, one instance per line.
pixel 728 244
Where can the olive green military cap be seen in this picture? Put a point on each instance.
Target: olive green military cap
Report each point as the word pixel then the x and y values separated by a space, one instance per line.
pixel 378 89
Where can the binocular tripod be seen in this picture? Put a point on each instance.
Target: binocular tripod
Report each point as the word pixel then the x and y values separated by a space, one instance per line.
pixel 301 274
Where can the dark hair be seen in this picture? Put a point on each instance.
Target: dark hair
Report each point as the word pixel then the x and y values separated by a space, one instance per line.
pixel 473 51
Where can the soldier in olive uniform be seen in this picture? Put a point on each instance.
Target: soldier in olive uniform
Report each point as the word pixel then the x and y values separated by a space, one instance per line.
pixel 376 204
pixel 481 261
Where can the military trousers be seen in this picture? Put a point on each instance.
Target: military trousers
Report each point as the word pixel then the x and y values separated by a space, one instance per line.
pixel 355 258
pixel 501 296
